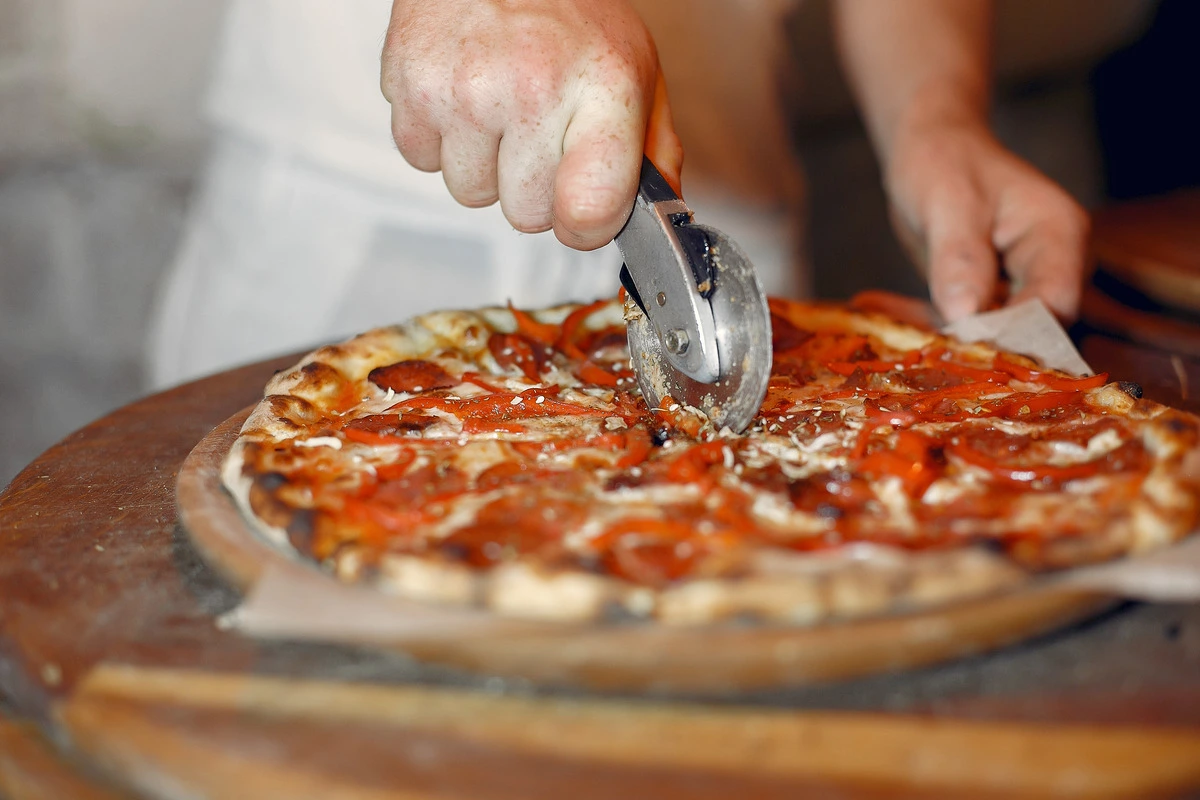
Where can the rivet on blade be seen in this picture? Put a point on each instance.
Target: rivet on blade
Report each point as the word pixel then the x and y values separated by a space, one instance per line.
pixel 676 341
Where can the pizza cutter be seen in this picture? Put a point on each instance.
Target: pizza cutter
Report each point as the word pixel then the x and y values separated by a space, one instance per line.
pixel 697 319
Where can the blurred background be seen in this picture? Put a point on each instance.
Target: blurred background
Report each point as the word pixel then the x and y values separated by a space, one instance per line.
pixel 102 136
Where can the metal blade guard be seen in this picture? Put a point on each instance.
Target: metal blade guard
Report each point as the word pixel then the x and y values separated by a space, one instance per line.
pixel 698 325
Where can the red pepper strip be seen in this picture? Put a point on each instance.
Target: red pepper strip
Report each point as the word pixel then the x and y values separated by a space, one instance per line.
pixel 566 339
pixel 501 405
pixel 637 448
pixel 1021 474
pixel 842 394
pixel 1049 379
pixel 1016 370
pixel 477 379
pixel 1077 384
pixel 928 400
pixel 590 373
pixel 476 425
pixel 909 460
pixel 538 331
pixel 1033 403
pixel 974 373
pixel 553 408
pixel 367 437
pixel 694 463
pixel 440 403
pixel 896 419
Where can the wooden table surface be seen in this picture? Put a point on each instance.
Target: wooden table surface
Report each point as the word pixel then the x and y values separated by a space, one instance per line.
pixel 116 680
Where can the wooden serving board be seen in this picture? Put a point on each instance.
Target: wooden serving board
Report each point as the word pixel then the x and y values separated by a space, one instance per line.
pixel 709 660
pixel 119 683
pixel 183 733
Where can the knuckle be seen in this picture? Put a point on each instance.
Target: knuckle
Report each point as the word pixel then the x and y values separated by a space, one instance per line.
pixel 536 89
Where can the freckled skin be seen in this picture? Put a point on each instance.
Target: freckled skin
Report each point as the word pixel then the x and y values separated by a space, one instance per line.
pixel 543 105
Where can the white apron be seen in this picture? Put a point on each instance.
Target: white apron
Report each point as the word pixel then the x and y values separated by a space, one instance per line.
pixel 308 226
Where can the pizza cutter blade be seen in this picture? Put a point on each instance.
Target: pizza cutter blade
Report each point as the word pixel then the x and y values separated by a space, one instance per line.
pixel 697 320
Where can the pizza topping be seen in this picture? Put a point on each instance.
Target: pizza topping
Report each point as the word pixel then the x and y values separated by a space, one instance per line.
pixel 1056 382
pixel 785 336
pixel 515 350
pixel 504 406
pixel 910 458
pixel 414 375
pixel 1023 459
pixel 649 551
pixel 409 422
pixel 537 331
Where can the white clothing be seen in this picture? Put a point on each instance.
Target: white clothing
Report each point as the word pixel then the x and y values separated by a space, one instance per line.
pixel 309 226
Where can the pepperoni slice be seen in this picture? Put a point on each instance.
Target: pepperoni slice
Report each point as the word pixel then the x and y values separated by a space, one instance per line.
pixel 1005 457
pixel 929 379
pixel 831 494
pixel 785 336
pixel 414 375
pixel 518 350
pixel 654 563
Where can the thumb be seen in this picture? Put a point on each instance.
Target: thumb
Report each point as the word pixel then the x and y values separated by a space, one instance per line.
pixel 663 147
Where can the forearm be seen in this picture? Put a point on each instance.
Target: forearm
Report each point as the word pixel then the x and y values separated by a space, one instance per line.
pixel 915 63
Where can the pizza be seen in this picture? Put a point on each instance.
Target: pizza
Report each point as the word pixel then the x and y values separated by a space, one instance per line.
pixel 504 459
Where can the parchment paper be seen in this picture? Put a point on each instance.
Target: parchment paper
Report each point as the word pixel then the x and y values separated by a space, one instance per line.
pixel 298 602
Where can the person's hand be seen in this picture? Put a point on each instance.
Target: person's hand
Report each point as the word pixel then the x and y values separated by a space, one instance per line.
pixel 968 210
pixel 543 105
